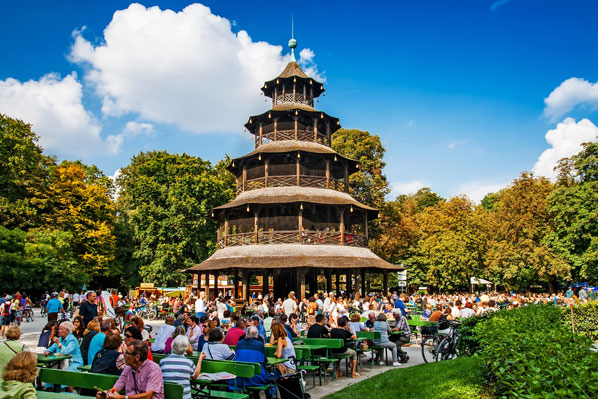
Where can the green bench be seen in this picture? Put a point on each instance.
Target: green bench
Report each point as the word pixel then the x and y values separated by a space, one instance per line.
pixel 370 335
pixel 91 380
pixel 329 343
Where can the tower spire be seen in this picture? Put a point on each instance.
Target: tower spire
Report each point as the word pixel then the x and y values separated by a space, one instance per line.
pixel 293 42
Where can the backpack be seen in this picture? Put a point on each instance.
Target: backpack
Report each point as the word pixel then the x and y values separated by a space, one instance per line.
pixel 6 309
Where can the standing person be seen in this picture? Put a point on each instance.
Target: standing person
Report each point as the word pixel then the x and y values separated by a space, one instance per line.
pixel 5 316
pixel 141 377
pixel 76 299
pixel 200 305
pixel 290 305
pixel 89 308
pixel 53 307
pixel 319 303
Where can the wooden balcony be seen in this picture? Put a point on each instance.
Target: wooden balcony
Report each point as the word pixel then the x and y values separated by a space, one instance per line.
pixel 289 181
pixel 306 237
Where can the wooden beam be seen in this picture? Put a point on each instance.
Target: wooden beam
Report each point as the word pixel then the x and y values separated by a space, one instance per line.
pixel 300 238
pixel 342 224
pixel 261 133
pixel 328 173
pixel 296 127
pixel 301 279
pixel 266 171
pixel 275 128
pixel 225 230
pixel 385 282
pixel 362 282
pixel 298 169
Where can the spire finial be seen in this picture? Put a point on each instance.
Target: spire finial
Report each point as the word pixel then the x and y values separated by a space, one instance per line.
pixel 293 42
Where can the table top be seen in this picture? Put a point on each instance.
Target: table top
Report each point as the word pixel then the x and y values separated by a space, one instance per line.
pixel 421 323
pixel 274 360
pixel 56 357
pixel 310 347
pixel 87 367
pixel 50 395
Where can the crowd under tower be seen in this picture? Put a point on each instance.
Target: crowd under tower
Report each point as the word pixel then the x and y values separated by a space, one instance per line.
pixel 293 222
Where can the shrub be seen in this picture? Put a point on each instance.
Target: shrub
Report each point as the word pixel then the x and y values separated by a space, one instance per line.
pixel 468 344
pixel 585 319
pixel 530 353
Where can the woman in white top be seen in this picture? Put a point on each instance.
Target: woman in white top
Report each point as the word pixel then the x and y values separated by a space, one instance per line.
pixel 333 312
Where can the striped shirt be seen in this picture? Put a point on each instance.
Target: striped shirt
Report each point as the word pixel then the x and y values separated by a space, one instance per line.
pixel 178 369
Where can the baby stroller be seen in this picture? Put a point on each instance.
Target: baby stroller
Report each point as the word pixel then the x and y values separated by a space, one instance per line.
pixel 291 386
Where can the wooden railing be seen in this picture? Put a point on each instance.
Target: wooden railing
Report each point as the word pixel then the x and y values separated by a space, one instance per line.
pixel 293 237
pixel 302 135
pixel 289 181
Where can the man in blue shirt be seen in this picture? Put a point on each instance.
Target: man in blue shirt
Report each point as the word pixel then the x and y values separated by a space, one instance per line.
pixel 53 307
pixel 97 342
pixel 400 304
pixel 261 331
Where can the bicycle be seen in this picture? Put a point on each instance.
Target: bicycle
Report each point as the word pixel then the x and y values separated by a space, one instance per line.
pixel 28 315
pixel 429 346
pixel 447 348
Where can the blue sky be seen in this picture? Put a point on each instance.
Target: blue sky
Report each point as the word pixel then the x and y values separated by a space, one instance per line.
pixel 464 94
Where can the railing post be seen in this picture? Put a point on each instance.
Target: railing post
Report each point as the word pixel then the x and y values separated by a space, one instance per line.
pixel 266 163
pixel 225 231
pixel 300 224
pixel 275 128
pixel 328 173
pixel 261 134
pixel 315 130
pixel 255 214
pixel 342 225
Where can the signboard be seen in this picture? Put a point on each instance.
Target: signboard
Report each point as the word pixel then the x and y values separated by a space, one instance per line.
pixel 146 285
pixel 423 288
pixel 402 275
pixel 402 283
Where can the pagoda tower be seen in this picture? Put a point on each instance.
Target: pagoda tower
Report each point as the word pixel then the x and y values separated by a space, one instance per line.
pixel 293 220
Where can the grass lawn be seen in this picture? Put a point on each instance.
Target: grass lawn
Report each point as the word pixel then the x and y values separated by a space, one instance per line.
pixel 461 378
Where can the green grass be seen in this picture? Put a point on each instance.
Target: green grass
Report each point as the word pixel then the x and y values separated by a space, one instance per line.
pixel 462 378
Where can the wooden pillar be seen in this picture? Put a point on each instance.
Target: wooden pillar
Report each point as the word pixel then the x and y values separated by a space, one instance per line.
pixel 265 284
pixel 348 277
pixel 313 284
pixel 338 283
pixel 298 169
pixel 216 284
pixel 218 237
pixel 328 280
pixel 275 95
pixel 315 130
pixel 385 281
pixel 244 176
pixel 294 91
pixel 342 225
pixel 207 286
pixel 362 282
pixel 304 97
pixel 225 231
pixel 256 211
pixel 296 127
pixel 346 177
pixel 365 224
pixel 256 140
pixel 275 128
pixel 300 238
pixel 301 280
pixel 328 133
pixel 246 278
pixel 266 171
pixel 236 283
pixel 261 133
pixel 328 173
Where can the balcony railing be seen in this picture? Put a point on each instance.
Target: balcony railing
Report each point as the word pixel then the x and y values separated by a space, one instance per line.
pixel 289 181
pixel 307 237
pixel 289 134
pixel 296 99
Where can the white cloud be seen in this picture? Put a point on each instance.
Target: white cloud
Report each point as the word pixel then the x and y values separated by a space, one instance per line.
pixel 187 68
pixel 456 143
pixel 409 187
pixel 565 140
pixel 53 107
pixel 411 123
pixel 133 128
pixel 569 94
pixel 476 190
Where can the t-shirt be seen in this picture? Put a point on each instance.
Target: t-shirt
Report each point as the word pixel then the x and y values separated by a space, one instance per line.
pixel 217 351
pixel 435 316
pixel 317 331
pixel 342 334
pixel 178 369
pixel 54 306
pixel 96 344
pixel 88 311
pixel 289 306
pixel 233 335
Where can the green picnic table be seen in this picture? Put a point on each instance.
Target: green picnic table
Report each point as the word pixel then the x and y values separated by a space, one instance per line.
pixel 87 367
pixel 271 360
pixel 51 395
pixel 51 360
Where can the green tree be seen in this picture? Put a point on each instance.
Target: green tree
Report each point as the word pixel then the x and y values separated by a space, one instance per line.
pixel 574 213
pixel 167 198
pixel 452 243
pixel 24 174
pixel 369 184
pixel 519 255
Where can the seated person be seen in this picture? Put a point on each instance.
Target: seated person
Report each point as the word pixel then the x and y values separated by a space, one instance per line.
pixel 163 334
pixel 179 330
pixel 48 332
pixel 356 324
pixel 93 328
pixel 141 377
pixel 369 323
pixel 18 377
pixel 67 344
pixel 193 330
pixel 207 327
pixel 215 349
pixel 382 327
pixel 109 360
pixel 284 320
pixel 344 332
pixel 284 350
pixel 251 349
pixel 402 325
pixel 97 342
pixel 11 346
pixel 177 368
pixel 261 331
pixel 318 330
pixel 235 333
pixel 133 333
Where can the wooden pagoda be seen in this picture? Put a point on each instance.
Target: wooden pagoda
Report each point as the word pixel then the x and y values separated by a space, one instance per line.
pixel 293 220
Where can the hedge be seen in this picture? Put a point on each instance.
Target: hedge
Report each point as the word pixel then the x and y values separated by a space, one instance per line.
pixel 585 319
pixel 530 353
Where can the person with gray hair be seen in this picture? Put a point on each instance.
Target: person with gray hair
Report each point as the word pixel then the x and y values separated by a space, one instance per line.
pixel 383 328
pixel 67 344
pixel 176 367
pixel 251 332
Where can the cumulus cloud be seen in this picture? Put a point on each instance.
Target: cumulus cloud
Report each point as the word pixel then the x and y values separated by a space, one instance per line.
pixel 53 107
pixel 477 190
pixel 498 4
pixel 454 144
pixel 565 141
pixel 405 188
pixel 569 94
pixel 133 128
pixel 186 68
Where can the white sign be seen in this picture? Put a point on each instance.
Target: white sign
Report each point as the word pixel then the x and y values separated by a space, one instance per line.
pixel 423 288
pixel 402 283
pixel 402 275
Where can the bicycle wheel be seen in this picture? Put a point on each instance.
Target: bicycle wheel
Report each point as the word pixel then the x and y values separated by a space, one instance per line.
pixel 445 350
pixel 151 314
pixel 429 345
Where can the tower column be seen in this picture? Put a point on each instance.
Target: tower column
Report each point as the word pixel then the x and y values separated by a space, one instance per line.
pixel 266 167
pixel 275 128
pixel 328 173
pixel 261 133
pixel 342 225
pixel 244 176
pixel 225 231
pixel 315 130
pixel 298 167
pixel 300 238
pixel 256 211
pixel 216 284
pixel 296 127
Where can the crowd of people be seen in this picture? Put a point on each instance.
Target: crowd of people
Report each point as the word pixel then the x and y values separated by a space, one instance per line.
pixel 121 344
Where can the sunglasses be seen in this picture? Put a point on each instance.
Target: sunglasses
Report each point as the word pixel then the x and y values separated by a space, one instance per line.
pixel 128 336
